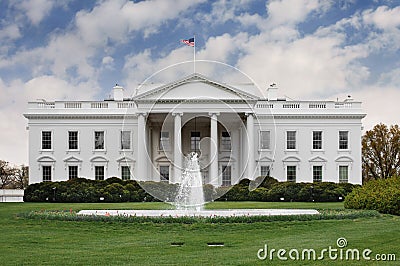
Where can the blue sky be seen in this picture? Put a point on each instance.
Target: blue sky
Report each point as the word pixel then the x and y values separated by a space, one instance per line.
pixel 313 49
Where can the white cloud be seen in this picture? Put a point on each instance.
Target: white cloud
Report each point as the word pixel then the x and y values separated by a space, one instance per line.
pixel 36 10
pixel 10 32
pixel 383 17
pixel 281 12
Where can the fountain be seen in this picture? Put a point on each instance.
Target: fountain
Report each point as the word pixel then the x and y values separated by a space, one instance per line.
pixel 190 195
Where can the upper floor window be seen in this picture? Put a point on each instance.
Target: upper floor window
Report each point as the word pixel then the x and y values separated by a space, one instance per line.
pixel 73 140
pixel 99 140
pixel 226 141
pixel 72 171
pixel 265 170
pixel 125 140
pixel 317 173
pixel 164 173
pixel 291 173
pixel 164 141
pixel 317 140
pixel 291 140
pixel 195 140
pixel 343 140
pixel 99 172
pixel 343 174
pixel 46 140
pixel 125 172
pixel 46 173
pixel 265 140
pixel 226 175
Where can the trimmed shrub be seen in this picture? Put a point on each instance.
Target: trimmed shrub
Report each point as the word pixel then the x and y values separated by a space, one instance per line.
pixel 117 190
pixel 382 195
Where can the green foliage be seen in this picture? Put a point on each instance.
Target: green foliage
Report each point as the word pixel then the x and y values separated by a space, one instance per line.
pixel 270 189
pixel 72 216
pixel 382 195
pixel 117 190
pixel 381 152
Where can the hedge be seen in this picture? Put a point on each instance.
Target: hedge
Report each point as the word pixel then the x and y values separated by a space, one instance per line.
pixel 117 190
pixel 382 195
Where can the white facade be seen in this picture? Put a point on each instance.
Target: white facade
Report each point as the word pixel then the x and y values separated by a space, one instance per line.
pixel 237 131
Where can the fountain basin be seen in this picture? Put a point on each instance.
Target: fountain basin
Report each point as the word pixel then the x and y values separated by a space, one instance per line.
pixel 201 213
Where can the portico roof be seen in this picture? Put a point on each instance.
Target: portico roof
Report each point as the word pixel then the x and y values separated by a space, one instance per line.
pixel 195 87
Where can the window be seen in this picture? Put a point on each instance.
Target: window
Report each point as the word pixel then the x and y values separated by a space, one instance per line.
pixel 291 140
pixel 317 173
pixel 291 173
pixel 72 171
pixel 125 172
pixel 46 140
pixel 265 170
pixel 99 140
pixel 125 140
pixel 226 141
pixel 99 172
pixel 226 175
pixel 265 140
pixel 343 140
pixel 195 140
pixel 343 174
pixel 164 173
pixel 164 141
pixel 73 140
pixel 46 173
pixel 317 140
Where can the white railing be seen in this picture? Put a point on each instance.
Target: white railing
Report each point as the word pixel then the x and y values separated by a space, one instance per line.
pixel 307 105
pixel 317 105
pixel 46 105
pixel 73 105
pixel 290 105
pixel 82 105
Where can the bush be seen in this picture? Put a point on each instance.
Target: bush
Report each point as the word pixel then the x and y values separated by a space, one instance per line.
pixel 382 195
pixel 117 190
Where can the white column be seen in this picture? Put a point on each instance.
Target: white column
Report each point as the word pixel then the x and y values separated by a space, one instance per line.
pixel 250 146
pixel 141 155
pixel 177 147
pixel 213 168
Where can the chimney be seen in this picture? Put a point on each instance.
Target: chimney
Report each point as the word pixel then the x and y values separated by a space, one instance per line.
pixel 272 92
pixel 118 93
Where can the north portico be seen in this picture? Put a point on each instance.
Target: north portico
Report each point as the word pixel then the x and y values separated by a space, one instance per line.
pixel 195 114
pixel 238 131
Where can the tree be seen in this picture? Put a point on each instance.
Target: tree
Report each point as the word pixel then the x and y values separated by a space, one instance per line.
pixel 381 152
pixel 7 174
pixel 21 177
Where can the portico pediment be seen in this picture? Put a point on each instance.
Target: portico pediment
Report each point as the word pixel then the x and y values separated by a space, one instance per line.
pixel 195 87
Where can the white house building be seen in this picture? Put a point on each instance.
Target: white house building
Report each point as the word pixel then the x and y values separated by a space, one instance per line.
pixel 238 131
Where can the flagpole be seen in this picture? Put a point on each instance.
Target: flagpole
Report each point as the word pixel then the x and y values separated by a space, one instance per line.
pixel 194 54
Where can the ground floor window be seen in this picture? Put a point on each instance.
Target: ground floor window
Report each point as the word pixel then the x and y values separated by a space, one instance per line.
pixel 125 172
pixel 164 173
pixel 99 172
pixel 72 171
pixel 265 171
pixel 46 173
pixel 226 175
pixel 291 173
pixel 343 174
pixel 317 173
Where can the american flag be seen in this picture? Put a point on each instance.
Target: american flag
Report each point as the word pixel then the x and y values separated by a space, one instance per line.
pixel 189 42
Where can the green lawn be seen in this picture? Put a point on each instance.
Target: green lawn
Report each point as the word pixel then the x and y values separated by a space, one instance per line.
pixel 43 242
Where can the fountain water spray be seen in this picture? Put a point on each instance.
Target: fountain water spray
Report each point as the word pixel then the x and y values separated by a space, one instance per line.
pixel 190 195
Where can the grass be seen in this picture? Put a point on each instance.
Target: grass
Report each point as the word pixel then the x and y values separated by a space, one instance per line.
pixel 49 242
